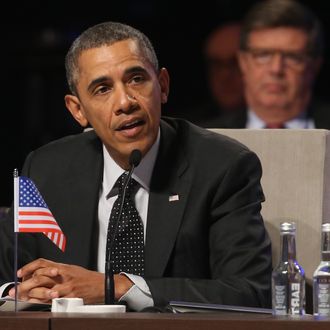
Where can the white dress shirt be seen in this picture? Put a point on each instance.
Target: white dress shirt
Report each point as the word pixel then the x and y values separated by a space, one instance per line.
pixel 139 296
pixel 253 121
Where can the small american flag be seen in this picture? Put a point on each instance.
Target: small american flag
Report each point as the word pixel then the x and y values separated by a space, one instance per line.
pixel 33 214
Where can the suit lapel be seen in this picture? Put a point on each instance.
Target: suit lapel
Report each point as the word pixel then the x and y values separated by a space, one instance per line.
pixel 84 193
pixel 168 196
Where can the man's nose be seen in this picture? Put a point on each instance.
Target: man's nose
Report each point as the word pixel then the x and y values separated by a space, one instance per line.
pixel 277 63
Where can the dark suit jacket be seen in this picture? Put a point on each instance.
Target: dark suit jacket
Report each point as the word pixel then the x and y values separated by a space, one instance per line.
pixel 318 111
pixel 209 246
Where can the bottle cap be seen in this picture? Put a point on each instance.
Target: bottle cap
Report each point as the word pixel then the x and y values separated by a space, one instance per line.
pixel 288 227
pixel 326 227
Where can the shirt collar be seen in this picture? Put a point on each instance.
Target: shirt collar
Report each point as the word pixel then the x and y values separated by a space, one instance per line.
pixel 142 174
pixel 253 121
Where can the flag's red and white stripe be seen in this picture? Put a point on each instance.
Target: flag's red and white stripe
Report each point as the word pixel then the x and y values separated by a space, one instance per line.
pixel 38 219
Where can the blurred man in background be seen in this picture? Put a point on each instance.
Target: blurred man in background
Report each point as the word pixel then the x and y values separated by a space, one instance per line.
pixel 281 51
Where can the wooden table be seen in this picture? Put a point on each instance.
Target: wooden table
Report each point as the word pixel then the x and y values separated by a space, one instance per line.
pixel 155 321
pixel 25 321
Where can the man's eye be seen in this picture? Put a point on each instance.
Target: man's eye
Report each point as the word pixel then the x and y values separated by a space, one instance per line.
pixel 263 55
pixel 137 79
pixel 102 89
pixel 295 58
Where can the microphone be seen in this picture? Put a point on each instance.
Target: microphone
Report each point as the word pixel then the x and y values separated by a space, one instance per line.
pixel 135 159
pixel 109 284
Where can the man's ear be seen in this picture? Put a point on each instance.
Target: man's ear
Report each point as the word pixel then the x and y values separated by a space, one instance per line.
pixel 73 105
pixel 164 81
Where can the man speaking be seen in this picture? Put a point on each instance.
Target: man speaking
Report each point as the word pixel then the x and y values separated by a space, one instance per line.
pixel 189 226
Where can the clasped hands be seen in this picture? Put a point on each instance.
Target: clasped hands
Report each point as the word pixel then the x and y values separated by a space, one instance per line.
pixel 43 280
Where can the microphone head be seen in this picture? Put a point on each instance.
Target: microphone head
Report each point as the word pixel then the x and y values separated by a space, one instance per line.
pixel 135 157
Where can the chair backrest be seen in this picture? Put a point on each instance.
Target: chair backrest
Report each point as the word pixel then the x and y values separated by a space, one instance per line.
pixel 296 183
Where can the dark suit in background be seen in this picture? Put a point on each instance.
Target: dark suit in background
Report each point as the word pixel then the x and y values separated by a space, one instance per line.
pixel 208 246
pixel 318 112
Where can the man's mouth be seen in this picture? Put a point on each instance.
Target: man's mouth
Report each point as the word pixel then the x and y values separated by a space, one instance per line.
pixel 130 124
pixel 274 88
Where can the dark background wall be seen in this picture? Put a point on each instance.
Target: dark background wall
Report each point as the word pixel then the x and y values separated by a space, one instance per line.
pixel 35 41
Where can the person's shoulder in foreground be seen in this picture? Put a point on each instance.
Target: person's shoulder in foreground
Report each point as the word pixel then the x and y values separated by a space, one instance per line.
pixel 204 143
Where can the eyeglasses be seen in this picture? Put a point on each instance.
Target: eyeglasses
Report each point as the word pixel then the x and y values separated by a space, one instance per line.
pixel 293 59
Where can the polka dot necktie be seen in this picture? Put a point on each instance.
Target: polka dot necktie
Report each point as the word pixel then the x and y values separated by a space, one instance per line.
pixel 128 244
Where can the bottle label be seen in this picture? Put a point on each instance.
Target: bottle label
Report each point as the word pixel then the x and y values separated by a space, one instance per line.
pixel 295 298
pixel 280 300
pixel 323 296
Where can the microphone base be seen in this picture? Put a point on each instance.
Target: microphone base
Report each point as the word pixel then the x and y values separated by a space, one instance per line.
pixel 100 309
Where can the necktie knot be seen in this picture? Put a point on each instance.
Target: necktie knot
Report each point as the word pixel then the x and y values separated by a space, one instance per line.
pixel 121 182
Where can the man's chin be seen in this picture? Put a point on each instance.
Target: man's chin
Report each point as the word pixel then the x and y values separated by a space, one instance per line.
pixel 275 103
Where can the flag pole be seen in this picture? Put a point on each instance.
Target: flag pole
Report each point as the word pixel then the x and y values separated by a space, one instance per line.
pixel 15 231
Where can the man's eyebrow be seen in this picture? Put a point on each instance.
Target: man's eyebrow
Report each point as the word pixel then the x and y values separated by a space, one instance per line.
pixel 135 69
